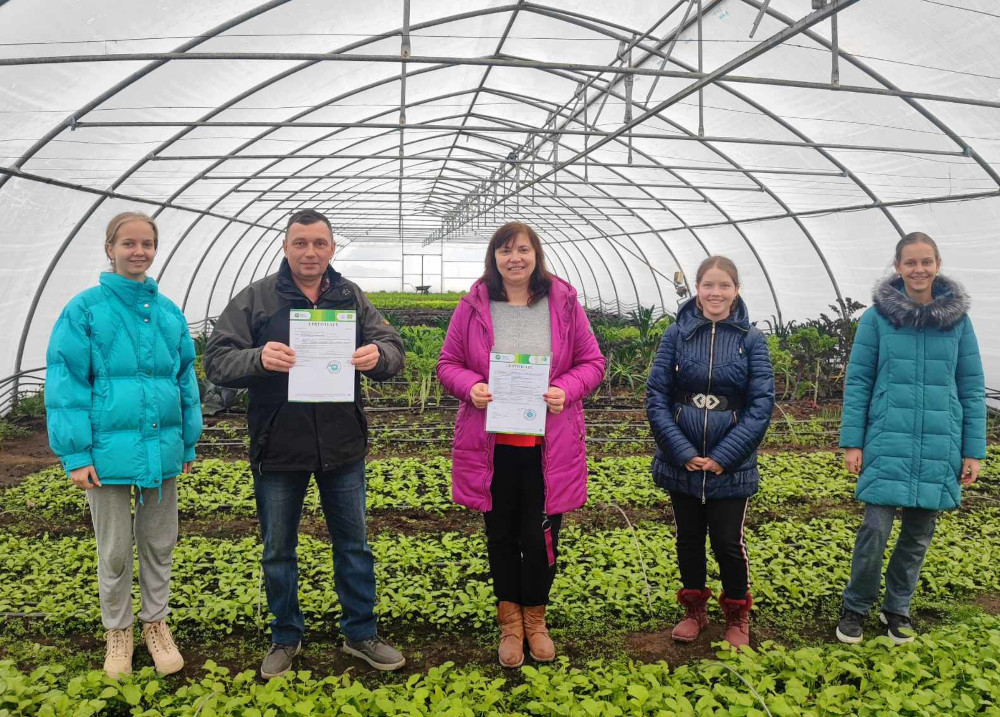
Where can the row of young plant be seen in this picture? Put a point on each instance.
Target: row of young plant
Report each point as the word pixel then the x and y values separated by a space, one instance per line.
pixel 809 358
pixel 953 671
pixel 606 578
pixel 217 488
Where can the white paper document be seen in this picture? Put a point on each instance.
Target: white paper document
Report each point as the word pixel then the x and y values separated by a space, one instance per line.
pixel 517 382
pixel 324 341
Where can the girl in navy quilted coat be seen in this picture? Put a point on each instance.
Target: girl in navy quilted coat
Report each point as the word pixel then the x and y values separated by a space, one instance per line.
pixel 709 400
pixel 124 415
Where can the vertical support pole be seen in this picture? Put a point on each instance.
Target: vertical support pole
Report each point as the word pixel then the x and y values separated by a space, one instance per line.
pixel 701 69
pixel 835 42
pixel 629 84
pixel 404 53
pixel 586 136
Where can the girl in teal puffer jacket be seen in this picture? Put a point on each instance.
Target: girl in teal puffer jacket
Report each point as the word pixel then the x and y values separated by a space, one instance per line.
pixel 914 427
pixel 124 415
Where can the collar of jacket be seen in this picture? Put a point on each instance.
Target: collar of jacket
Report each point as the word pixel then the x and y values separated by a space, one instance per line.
pixel 287 285
pixel 950 303
pixel 130 292
pixel 562 297
pixel 690 318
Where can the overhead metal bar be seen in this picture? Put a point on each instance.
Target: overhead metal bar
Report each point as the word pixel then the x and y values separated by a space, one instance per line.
pixel 465 178
pixel 162 57
pixel 833 146
pixel 11 172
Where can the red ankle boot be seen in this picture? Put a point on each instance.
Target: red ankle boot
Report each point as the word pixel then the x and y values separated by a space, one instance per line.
pixel 695 614
pixel 737 614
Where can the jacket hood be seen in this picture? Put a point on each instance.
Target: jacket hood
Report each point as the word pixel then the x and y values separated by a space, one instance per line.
pixel 949 306
pixel 690 318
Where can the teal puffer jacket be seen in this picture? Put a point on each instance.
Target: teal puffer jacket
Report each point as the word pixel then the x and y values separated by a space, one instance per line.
pixel 120 388
pixel 915 397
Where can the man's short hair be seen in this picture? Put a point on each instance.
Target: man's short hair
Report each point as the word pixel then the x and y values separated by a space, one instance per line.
pixel 307 216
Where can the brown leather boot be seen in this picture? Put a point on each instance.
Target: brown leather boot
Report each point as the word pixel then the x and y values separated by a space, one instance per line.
pixel 540 645
pixel 737 620
pixel 695 614
pixel 511 650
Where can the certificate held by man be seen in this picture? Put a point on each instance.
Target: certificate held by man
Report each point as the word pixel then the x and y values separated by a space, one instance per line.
pixel 518 383
pixel 323 341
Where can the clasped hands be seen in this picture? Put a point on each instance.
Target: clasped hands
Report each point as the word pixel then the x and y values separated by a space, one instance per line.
pixel 699 463
pixel 555 397
pixel 279 357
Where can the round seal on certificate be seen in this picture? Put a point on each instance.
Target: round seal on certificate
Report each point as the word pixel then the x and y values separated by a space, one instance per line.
pixel 333 367
pixel 530 414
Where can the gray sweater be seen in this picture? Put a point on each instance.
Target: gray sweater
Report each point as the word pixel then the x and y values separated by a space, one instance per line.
pixel 521 329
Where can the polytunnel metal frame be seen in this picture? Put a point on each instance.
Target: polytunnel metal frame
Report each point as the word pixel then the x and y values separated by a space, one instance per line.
pixel 481 194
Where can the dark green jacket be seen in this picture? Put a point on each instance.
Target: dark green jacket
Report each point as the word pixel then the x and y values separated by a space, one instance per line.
pixel 915 398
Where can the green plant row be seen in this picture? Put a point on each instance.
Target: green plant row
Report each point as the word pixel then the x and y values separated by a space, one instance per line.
pixel 220 487
pixel 953 671
pixel 407 300
pixel 605 577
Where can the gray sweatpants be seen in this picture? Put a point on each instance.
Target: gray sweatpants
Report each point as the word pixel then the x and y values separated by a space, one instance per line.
pixel 155 531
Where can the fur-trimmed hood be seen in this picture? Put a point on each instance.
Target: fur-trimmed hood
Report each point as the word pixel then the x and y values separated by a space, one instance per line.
pixel 950 304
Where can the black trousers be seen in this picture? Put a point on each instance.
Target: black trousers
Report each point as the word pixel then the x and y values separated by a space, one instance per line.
pixel 522 542
pixel 723 521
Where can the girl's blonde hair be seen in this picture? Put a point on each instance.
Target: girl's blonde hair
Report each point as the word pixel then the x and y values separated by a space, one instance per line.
pixel 116 223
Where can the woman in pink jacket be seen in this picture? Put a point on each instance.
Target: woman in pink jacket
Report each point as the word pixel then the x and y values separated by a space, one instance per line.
pixel 523 484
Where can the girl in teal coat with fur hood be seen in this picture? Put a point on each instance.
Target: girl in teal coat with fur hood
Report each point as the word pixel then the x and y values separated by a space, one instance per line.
pixel 913 430
pixel 124 415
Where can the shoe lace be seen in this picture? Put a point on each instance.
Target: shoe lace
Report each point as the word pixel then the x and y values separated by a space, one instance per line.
pixel 158 636
pixel 117 644
pixel 275 647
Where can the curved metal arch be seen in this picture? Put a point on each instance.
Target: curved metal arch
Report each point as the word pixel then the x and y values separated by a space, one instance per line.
pixel 596 282
pixel 42 142
pixel 656 283
pixel 360 43
pixel 847 172
pixel 422 139
pixel 540 216
pixel 732 222
pixel 609 89
pixel 878 77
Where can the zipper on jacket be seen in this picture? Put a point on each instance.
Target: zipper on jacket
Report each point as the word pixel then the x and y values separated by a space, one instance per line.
pixel 708 391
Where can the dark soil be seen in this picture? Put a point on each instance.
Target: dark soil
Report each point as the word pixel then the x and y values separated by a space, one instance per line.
pixel 989 603
pixel 20 457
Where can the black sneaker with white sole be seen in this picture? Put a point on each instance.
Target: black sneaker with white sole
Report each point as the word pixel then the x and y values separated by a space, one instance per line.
pixel 849 627
pixel 900 630
pixel 279 660
pixel 376 652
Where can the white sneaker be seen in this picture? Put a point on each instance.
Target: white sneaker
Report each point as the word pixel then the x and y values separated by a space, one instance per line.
pixel 162 649
pixel 118 653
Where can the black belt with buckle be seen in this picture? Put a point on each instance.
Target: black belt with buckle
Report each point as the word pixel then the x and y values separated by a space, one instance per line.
pixel 710 401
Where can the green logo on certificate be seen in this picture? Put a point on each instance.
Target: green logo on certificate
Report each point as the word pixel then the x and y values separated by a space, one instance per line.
pixel 530 414
pixel 333 367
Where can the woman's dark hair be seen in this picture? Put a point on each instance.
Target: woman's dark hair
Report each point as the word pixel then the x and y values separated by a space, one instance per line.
pixel 541 279
pixel 915 238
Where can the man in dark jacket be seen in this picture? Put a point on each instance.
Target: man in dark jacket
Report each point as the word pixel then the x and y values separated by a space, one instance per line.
pixel 289 442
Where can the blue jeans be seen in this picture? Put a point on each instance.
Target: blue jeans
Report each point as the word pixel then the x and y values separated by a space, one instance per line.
pixel 904 565
pixel 280 495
